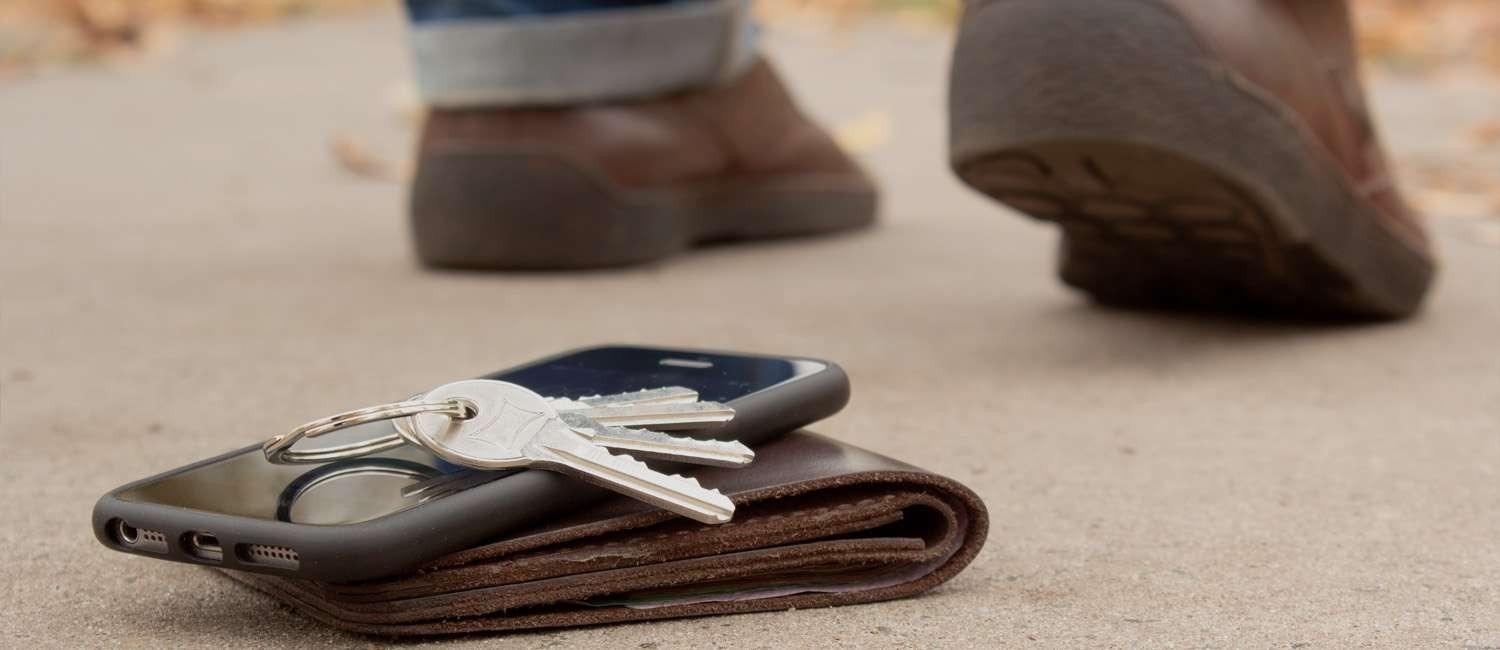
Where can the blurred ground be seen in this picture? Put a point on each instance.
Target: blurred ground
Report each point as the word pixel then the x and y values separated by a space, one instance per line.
pixel 187 264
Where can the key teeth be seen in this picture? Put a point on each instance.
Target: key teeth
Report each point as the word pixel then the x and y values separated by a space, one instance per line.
pixel 632 459
pixel 702 451
pixel 694 482
pixel 690 480
pixel 709 506
pixel 627 398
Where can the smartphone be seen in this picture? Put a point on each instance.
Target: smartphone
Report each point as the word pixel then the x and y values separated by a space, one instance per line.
pixel 386 514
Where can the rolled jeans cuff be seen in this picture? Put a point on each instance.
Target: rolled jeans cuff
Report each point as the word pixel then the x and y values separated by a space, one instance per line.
pixel 590 56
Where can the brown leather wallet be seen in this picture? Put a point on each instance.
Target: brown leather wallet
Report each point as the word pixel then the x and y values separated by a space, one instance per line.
pixel 818 523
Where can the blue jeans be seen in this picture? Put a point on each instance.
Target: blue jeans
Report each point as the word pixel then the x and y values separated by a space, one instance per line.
pixel 541 52
pixel 426 10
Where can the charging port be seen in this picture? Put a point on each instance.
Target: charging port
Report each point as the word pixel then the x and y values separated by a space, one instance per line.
pixel 204 546
pixel 139 538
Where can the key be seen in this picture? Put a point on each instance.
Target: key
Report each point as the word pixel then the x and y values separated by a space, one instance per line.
pixel 655 444
pixel 698 415
pixel 663 416
pixel 660 409
pixel 515 427
pixel 666 395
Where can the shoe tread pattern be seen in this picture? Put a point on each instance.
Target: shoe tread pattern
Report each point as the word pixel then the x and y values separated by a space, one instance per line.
pixel 1146 228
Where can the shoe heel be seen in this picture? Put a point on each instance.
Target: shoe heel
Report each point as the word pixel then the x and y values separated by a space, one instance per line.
pixel 1175 182
pixel 479 209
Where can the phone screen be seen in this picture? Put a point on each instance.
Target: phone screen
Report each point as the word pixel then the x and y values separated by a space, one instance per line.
pixel 361 489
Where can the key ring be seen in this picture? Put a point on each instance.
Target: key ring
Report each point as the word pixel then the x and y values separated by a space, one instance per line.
pixel 279 450
pixel 331 472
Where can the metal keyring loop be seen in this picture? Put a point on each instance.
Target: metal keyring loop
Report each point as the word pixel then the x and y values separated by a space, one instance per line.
pixel 279 450
pixel 315 478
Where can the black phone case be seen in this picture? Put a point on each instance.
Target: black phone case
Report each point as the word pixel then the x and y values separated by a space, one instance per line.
pixel 397 542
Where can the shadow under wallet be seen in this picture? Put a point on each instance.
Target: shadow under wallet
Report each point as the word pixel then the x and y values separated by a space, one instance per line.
pixel 818 523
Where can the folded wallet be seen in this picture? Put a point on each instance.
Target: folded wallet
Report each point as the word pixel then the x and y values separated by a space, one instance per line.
pixel 818 523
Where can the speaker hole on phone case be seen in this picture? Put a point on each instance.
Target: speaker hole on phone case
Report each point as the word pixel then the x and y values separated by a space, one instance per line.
pixel 280 557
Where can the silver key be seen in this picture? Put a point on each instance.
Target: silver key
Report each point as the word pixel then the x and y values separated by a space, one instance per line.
pixel 658 408
pixel 673 407
pixel 657 415
pixel 655 444
pixel 515 427
pixel 666 395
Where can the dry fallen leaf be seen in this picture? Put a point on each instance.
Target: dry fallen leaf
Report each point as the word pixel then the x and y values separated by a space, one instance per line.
pixel 356 158
pixel 39 32
pixel 865 133
pixel 1485 134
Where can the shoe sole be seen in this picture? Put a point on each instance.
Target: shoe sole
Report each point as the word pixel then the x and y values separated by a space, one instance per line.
pixel 479 208
pixel 1175 184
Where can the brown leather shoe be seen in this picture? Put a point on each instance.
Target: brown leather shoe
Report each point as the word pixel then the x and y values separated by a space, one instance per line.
pixel 613 184
pixel 1195 152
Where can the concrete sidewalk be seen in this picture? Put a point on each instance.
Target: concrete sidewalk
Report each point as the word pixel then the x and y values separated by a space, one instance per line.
pixel 185 269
